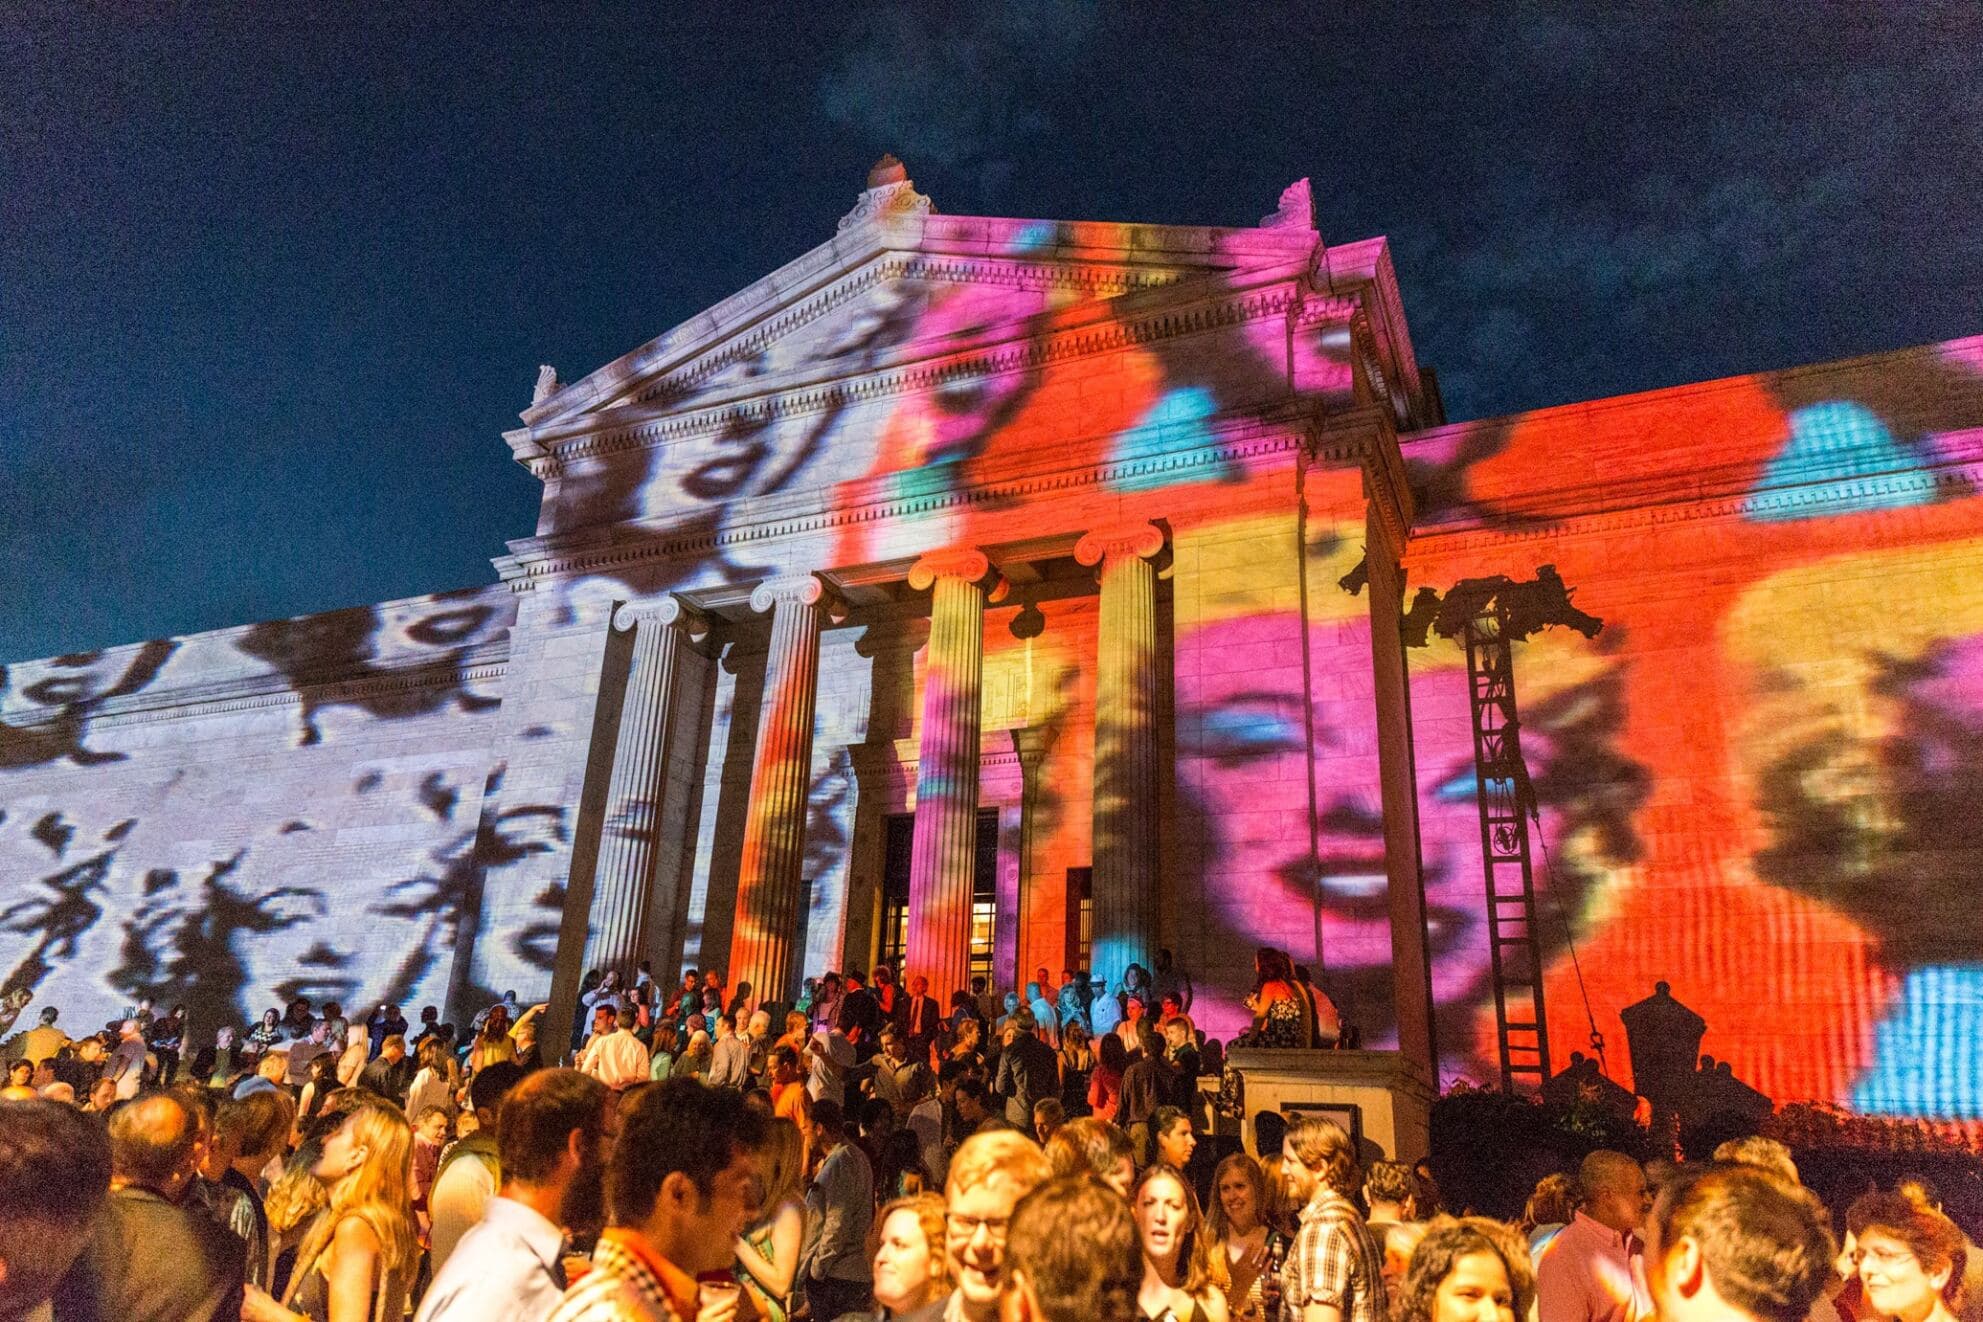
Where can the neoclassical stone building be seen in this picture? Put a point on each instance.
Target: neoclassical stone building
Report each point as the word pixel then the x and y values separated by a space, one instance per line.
pixel 968 593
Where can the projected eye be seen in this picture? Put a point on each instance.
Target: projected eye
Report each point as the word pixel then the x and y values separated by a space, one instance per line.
pixel 1245 729
pixel 1456 788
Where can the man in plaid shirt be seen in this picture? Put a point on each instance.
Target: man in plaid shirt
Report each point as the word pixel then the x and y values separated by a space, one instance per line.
pixel 684 1184
pixel 1335 1272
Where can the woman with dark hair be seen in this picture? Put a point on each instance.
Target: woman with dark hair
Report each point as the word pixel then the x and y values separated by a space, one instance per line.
pixel 1911 1258
pixel 1282 1016
pixel 263 1036
pixel 167 1036
pixel 1105 1084
pixel 667 1045
pixel 899 1171
pixel 494 1043
pixel 317 1088
pixel 1077 1062
pixel 1237 1224
pixel 1465 1270
pixel 1184 1273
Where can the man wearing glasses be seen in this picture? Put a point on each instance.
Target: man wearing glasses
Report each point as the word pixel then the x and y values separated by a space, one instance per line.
pixel 989 1175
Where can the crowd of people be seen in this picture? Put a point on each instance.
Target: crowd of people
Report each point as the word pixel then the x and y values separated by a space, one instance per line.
pixel 869 1155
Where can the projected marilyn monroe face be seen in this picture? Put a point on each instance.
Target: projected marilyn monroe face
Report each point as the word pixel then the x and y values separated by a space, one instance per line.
pixel 1246 725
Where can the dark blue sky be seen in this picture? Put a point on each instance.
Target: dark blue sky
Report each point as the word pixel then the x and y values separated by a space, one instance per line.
pixel 271 289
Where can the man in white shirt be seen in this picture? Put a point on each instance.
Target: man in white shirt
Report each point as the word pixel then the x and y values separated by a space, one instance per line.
pixel 471 1170
pixel 553 1145
pixel 617 1059
pixel 831 1056
pixel 126 1065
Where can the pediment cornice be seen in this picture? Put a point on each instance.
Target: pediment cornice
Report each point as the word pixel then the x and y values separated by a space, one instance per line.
pixel 1278 293
pixel 1297 430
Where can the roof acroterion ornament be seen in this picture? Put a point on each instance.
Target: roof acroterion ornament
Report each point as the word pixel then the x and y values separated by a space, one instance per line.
pixel 890 193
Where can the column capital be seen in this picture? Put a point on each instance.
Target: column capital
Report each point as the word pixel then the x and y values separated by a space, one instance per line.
pixel 1029 744
pixel 963 562
pixel 1121 541
pixel 670 611
pixel 798 589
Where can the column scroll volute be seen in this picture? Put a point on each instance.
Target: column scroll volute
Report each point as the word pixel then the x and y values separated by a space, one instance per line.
pixel 670 612
pixel 1138 541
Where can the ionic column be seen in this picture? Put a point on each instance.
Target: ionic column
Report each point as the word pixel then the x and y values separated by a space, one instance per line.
pixel 1125 778
pixel 768 881
pixel 623 882
pixel 944 848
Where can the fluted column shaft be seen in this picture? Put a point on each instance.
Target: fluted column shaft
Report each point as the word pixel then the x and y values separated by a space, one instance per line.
pixel 944 848
pixel 1125 775
pixel 623 883
pixel 769 879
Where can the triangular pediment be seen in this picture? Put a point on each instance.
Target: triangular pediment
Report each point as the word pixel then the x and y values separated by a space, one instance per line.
pixel 912 289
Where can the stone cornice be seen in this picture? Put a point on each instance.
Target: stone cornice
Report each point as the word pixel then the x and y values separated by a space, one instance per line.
pixel 598 436
pixel 1818 498
pixel 488 662
pixel 532 562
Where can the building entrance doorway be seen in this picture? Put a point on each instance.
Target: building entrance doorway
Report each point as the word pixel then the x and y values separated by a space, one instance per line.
pixel 898 846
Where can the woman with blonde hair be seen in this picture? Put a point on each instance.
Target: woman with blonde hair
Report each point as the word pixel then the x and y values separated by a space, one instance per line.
pixel 969 1044
pixel 1184 1271
pixel 768 1252
pixel 356 1262
pixel 1239 1223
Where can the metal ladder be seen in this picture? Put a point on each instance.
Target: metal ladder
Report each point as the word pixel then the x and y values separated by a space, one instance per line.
pixel 1506 798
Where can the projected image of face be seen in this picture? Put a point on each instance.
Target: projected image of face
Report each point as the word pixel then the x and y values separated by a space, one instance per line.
pixel 1253 793
pixel 1865 765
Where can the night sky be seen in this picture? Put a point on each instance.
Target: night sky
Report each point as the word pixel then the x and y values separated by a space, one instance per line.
pixel 270 290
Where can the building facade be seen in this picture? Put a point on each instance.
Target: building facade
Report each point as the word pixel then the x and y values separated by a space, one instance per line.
pixel 969 593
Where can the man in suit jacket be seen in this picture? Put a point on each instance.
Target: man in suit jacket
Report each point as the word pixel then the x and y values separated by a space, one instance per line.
pixel 860 1017
pixel 1028 1071
pixel 918 1018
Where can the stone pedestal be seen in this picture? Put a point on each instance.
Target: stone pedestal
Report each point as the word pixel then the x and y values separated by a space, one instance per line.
pixel 1383 1097
pixel 618 926
pixel 940 867
pixel 1125 788
pixel 768 881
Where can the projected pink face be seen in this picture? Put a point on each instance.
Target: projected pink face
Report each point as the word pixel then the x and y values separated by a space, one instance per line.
pixel 1242 724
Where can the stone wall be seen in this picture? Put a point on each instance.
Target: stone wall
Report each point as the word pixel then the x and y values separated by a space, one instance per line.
pixel 1755 783
pixel 225 818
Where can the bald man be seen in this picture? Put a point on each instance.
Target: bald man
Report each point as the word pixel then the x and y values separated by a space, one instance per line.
pixel 154 1254
pixel 1592 1271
